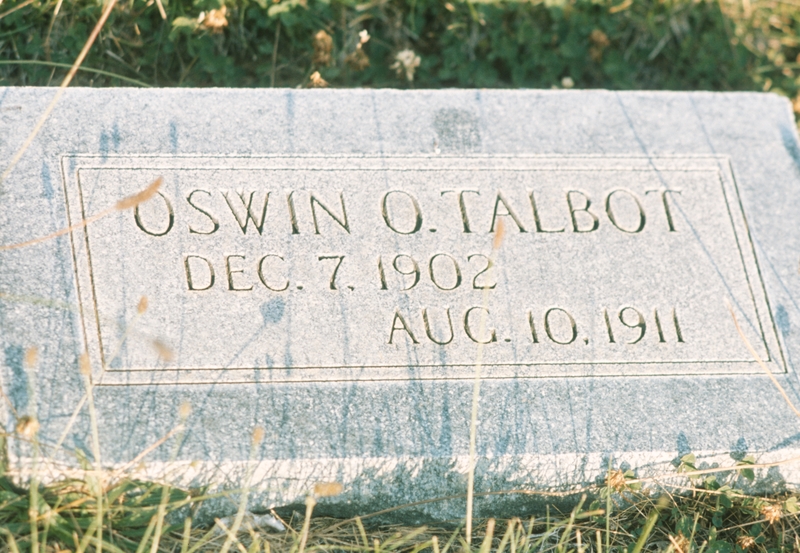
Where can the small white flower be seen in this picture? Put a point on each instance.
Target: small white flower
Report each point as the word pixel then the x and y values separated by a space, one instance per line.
pixel 406 62
pixel 363 37
pixel 567 82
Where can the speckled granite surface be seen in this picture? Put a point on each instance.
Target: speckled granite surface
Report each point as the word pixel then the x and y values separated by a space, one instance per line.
pixel 320 264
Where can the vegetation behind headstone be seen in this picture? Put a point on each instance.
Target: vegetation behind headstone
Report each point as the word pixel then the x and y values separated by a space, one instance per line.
pixel 615 44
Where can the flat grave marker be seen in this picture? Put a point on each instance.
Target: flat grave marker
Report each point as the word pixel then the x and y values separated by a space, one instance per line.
pixel 326 265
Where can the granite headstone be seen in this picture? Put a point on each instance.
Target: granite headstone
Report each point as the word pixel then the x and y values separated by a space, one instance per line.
pixel 326 265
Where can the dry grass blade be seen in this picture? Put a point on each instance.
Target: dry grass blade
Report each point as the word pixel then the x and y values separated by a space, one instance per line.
pixel 230 536
pixel 15 8
pixel 310 503
pixel 83 69
pixel 135 461
pixel 12 543
pixel 140 197
pixel 161 10
pixel 125 203
pixel 64 84
pixel 476 393
pixel 761 363
pixel 50 27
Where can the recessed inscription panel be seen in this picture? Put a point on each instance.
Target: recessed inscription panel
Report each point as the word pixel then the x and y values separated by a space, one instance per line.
pixel 283 269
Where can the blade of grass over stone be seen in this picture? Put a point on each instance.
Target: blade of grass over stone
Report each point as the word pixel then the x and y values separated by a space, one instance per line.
pixel 160 516
pixel 570 522
pixel 648 528
pixel 231 537
pixel 87 537
pixel 609 507
pixel 29 364
pixel 147 533
pixel 486 545
pixel 140 197
pixel 183 413
pixel 83 69
pixel 64 84
pixel 136 460
pixel 760 362
pixel 310 503
pixel 187 534
pixel 362 532
pixel 476 392
pixel 258 435
pixel 125 203
pixel 12 543
pixel 86 372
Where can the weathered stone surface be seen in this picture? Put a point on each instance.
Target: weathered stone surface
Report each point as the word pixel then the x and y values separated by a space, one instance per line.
pixel 345 310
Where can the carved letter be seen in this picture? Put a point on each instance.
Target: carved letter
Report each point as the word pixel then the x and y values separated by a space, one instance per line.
pixel 462 206
pixel 667 212
pixel 492 333
pixel 536 219
pixel 213 219
pixel 342 222
pixel 258 223
pixel 190 281
pixel 403 326
pixel 428 327
pixel 261 273
pixel 170 219
pixel 613 218
pixel 414 204
pixel 232 272
pixel 573 210
pixel 509 213
pixel 292 213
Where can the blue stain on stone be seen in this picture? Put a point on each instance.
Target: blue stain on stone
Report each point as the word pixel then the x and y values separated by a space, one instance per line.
pixel 18 388
pixel 683 445
pixel 377 440
pixel 288 360
pixel 103 145
pixel 272 311
pixel 790 143
pixel 446 435
pixel 109 142
pixel 739 450
pixel 47 182
pixel 116 138
pixel 782 320
pixel 173 137
pixel 81 446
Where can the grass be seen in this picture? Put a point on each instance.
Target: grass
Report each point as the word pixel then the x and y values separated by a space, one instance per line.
pixel 710 515
pixel 616 44
pixel 680 44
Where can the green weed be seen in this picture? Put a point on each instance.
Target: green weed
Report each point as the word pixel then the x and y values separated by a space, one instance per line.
pixel 616 44
pixel 713 516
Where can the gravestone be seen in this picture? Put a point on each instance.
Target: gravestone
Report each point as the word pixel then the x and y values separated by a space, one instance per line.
pixel 334 266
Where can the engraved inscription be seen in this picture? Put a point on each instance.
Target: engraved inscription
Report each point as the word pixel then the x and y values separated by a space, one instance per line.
pixel 388 268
